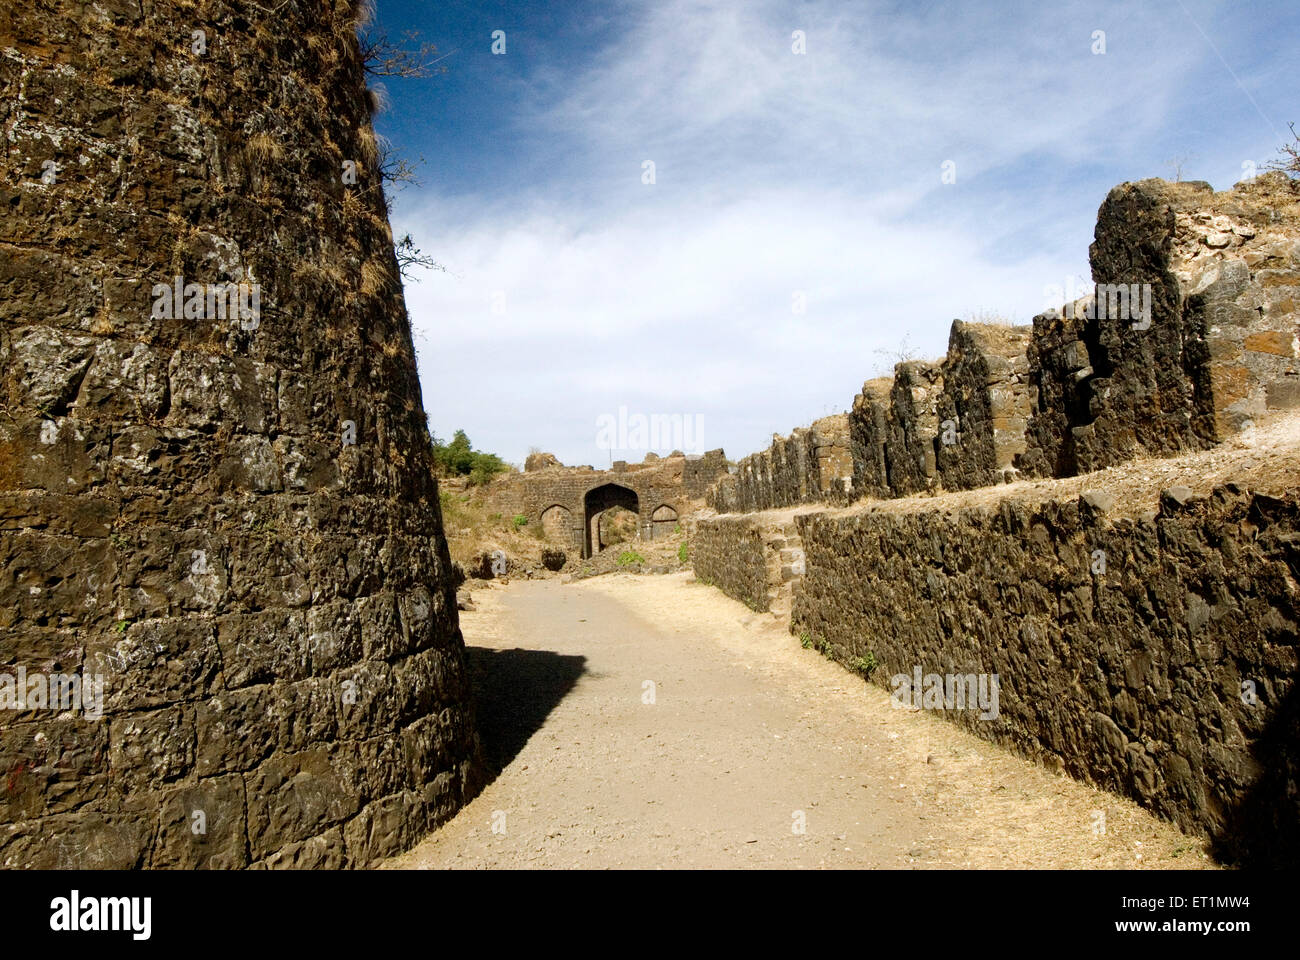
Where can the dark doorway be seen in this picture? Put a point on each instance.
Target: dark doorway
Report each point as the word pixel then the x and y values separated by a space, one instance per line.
pixel 599 500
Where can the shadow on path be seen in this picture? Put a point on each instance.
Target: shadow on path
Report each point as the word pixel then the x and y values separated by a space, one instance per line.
pixel 514 691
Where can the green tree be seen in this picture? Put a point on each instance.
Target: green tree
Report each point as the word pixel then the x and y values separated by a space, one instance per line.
pixel 458 458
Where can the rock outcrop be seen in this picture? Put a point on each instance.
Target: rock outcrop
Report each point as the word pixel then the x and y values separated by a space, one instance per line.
pixel 541 461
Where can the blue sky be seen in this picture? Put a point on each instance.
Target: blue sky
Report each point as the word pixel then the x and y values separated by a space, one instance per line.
pixel 781 180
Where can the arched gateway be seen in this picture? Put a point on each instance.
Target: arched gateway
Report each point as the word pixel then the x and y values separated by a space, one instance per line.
pixel 596 502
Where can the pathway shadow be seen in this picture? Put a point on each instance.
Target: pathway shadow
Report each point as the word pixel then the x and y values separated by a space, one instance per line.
pixel 515 691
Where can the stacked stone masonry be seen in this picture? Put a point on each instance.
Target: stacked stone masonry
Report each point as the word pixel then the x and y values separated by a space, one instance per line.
pixel 868 435
pixel 729 553
pixel 229 517
pixel 911 446
pixel 1153 656
pixel 1192 333
pixel 814 464
pixel 985 404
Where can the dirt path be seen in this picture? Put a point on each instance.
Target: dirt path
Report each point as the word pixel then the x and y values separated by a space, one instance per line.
pixel 747 737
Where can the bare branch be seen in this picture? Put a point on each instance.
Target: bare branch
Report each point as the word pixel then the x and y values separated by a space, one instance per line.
pixel 1289 161
pixel 409 258
pixel 394 168
pixel 383 57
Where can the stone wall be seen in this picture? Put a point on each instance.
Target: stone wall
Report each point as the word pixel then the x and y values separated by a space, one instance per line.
pixel 1195 335
pixel 911 445
pixel 1153 655
pixel 228 517
pixel 813 464
pixel 985 405
pixel 894 441
pixel 728 552
pixel 1121 643
pixel 699 472
pixel 868 435
pixel 1218 348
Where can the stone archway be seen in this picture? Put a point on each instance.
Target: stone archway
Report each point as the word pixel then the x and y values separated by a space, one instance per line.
pixel 597 501
pixel 557 524
pixel 663 521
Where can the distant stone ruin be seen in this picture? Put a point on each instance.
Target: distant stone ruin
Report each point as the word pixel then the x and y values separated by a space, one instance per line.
pixel 812 464
pixel 1193 338
pixel 217 513
pixel 568 501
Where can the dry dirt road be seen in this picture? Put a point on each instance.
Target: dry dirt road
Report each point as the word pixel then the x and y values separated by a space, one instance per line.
pixel 650 721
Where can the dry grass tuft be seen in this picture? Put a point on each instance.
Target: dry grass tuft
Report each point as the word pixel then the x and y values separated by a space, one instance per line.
pixel 376 278
pixel 363 13
pixel 263 146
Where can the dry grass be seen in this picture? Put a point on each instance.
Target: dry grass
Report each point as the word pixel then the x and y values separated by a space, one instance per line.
pixel 376 278
pixel 325 48
pixel 353 208
pixel 368 141
pixel 989 318
pixel 363 13
pixel 264 147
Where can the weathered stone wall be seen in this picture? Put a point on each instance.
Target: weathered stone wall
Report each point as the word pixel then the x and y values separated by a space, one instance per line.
pixel 232 521
pixel 985 404
pixel 698 473
pixel 910 447
pixel 1195 335
pixel 893 442
pixel 1126 667
pixel 868 435
pixel 728 552
pixel 1219 348
pixel 814 464
pixel 1122 643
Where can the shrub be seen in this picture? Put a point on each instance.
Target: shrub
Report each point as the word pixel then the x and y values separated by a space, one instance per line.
pixel 683 552
pixel 865 665
pixel 520 521
pixel 629 557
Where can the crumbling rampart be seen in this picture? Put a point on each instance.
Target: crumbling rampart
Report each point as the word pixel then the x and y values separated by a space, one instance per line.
pixel 229 633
